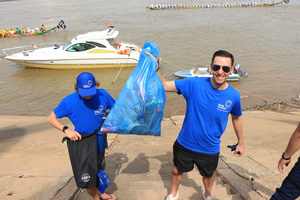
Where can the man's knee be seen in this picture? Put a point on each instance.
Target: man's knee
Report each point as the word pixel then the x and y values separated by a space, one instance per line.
pixel 175 171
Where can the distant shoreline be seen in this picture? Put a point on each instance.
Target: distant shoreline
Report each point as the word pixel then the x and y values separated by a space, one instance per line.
pixel 248 104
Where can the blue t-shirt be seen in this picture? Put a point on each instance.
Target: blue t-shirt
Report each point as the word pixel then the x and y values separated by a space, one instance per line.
pixel 207 111
pixel 85 115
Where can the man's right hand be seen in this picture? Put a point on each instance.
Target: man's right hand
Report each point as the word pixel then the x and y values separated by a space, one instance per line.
pixel 73 135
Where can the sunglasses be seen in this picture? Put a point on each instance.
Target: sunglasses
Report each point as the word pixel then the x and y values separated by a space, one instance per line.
pixel 226 69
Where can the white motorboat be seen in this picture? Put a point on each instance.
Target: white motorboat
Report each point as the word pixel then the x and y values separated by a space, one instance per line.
pixel 97 49
pixel 201 71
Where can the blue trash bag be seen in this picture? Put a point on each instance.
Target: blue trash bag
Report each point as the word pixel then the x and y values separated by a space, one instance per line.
pixel 140 105
pixel 103 181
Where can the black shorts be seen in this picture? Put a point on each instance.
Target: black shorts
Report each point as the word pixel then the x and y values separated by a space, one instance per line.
pixel 184 160
pixel 85 161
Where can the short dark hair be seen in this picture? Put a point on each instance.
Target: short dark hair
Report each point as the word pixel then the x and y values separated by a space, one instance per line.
pixel 223 53
pixel 76 87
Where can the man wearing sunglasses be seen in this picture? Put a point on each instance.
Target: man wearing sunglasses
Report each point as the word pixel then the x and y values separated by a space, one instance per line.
pixel 209 102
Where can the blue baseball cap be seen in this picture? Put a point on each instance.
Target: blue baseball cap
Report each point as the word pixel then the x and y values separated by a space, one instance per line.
pixel 86 84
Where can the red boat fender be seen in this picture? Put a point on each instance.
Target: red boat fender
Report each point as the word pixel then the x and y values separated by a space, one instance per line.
pixel 125 51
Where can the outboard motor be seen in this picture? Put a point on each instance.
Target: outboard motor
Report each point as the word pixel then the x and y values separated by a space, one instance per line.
pixel 241 73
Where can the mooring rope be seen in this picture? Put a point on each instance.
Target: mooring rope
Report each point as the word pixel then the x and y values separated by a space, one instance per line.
pixel 120 70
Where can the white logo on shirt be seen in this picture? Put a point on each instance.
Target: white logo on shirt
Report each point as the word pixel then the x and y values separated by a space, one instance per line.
pixel 223 108
pixel 99 111
pixel 228 103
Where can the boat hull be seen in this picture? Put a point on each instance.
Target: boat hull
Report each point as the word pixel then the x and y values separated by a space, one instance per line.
pixel 51 58
pixel 76 64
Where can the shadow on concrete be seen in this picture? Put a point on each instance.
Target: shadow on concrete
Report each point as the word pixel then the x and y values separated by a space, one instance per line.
pixel 165 174
pixel 114 164
pixel 12 134
pixel 140 165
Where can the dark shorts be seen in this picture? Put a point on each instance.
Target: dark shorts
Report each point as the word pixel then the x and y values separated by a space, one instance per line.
pixel 85 161
pixel 184 160
pixel 290 188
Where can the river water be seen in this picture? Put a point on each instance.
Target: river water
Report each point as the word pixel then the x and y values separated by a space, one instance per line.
pixel 265 42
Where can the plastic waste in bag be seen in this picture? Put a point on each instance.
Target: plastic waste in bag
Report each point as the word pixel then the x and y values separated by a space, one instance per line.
pixel 103 181
pixel 140 105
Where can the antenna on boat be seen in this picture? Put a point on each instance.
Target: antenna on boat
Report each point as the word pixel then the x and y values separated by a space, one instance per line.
pixel 111 18
pixel 2 61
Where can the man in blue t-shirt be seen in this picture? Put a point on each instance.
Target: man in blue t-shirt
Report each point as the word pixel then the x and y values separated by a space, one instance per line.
pixel 85 109
pixel 209 101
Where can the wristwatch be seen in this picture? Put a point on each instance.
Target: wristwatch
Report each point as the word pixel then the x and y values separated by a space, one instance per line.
pixel 64 129
pixel 284 158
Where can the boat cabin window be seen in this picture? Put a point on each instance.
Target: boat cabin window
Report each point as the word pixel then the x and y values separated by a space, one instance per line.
pixel 97 44
pixel 80 47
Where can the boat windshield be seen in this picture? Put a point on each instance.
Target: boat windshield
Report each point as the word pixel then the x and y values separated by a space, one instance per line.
pixel 80 47
pixel 196 70
pixel 66 45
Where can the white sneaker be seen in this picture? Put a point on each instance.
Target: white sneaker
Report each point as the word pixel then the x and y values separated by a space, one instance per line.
pixel 170 197
pixel 207 198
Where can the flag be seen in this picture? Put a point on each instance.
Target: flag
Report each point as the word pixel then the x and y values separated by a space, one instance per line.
pixel 62 24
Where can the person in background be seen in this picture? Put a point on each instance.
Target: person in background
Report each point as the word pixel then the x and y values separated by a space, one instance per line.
pixel 43 28
pixel 2 33
pixel 85 109
pixel 209 101
pixel 18 31
pixel 290 188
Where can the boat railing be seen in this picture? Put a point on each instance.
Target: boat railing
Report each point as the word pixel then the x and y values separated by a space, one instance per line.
pixel 25 49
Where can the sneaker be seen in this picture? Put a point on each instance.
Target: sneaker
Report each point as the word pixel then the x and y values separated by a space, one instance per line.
pixel 207 198
pixel 170 197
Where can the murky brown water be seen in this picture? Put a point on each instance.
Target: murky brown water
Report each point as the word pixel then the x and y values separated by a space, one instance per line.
pixel 265 41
